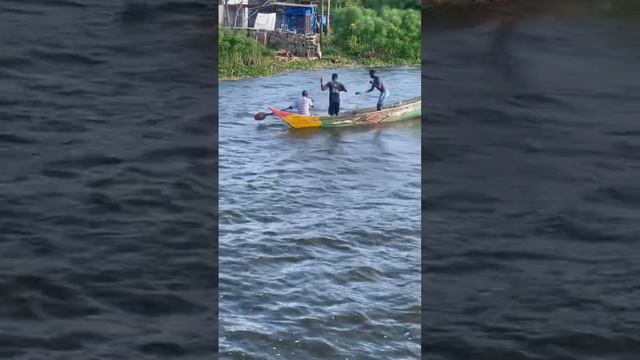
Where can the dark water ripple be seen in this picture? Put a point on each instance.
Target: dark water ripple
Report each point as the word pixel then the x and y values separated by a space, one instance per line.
pixel 531 156
pixel 107 207
pixel 319 229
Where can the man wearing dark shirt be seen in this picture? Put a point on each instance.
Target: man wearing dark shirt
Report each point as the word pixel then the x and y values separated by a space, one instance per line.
pixel 377 83
pixel 334 87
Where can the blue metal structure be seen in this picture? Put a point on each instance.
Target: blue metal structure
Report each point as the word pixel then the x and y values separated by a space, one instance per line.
pixel 300 20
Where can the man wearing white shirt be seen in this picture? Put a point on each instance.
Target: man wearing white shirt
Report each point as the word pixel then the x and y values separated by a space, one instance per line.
pixel 302 106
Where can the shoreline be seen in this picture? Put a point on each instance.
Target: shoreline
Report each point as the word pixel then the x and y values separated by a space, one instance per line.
pixel 284 65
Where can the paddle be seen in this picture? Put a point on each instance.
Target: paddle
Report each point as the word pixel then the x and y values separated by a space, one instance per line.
pixel 262 116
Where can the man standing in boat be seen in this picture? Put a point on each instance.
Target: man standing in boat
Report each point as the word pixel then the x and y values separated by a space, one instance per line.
pixel 302 106
pixel 334 87
pixel 377 83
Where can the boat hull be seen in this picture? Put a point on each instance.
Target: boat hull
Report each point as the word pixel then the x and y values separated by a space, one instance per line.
pixel 410 109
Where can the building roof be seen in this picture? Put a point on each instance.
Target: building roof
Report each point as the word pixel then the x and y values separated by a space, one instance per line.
pixel 292 5
pixel 279 6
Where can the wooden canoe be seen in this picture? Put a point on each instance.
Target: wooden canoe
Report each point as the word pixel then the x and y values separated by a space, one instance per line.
pixel 403 110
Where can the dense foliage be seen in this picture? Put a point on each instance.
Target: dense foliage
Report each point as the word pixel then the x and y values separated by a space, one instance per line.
pixel 396 4
pixel 387 33
pixel 345 3
pixel 377 4
pixel 237 52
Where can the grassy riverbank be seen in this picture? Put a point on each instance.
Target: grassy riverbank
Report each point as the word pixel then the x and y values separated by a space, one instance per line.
pixel 281 65
pixel 253 59
pixel 240 57
pixel 364 34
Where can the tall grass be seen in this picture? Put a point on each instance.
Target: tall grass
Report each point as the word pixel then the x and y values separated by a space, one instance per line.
pixel 239 54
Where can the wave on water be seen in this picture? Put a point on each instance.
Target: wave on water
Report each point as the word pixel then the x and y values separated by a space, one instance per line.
pixel 108 208
pixel 529 195
pixel 319 230
pixel 141 11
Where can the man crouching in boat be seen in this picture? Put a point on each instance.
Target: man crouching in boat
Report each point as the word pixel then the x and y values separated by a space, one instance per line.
pixel 334 87
pixel 302 106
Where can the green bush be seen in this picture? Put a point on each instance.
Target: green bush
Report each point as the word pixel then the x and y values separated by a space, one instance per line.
pixel 394 4
pixel 377 4
pixel 237 52
pixel 388 34
pixel 345 3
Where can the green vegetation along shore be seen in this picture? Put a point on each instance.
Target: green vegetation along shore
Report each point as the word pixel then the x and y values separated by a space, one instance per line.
pixel 364 33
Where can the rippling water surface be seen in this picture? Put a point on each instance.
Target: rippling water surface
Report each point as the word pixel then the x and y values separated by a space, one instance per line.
pixel 531 191
pixel 319 229
pixel 107 180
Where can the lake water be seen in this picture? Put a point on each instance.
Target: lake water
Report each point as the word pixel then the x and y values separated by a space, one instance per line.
pixel 319 228
pixel 107 180
pixel 531 148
